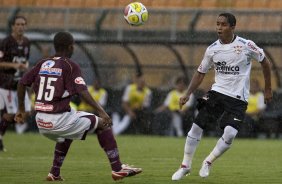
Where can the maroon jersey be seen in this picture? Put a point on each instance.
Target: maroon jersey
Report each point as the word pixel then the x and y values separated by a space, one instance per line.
pixel 11 51
pixel 54 81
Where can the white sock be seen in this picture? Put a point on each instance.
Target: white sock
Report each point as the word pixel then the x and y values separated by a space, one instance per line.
pixel 192 141
pixel 223 144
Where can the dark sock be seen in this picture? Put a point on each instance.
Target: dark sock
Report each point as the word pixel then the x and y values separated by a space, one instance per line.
pixel 3 126
pixel 1 145
pixel 61 150
pixel 108 143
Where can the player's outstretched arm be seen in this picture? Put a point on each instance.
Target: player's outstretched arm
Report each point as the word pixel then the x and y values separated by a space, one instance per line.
pixel 194 84
pixel 88 98
pixel 266 69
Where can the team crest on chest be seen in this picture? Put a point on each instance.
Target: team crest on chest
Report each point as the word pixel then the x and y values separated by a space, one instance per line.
pixel 238 49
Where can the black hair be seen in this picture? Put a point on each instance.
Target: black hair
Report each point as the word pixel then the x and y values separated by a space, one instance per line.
pixel 62 40
pixel 230 18
pixel 14 19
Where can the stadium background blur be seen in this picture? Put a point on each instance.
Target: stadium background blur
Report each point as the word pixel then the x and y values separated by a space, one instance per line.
pixel 172 42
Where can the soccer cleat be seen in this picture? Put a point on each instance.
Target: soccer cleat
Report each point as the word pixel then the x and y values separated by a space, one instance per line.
pixel 51 177
pixel 125 171
pixel 180 173
pixel 205 170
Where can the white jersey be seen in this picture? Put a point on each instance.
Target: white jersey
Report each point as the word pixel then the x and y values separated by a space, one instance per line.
pixel 232 66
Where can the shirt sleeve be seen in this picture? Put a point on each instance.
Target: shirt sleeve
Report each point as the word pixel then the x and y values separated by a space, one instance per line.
pixel 77 81
pixel 167 99
pixel 255 52
pixel 125 97
pixel 30 76
pixel 261 104
pixel 147 100
pixel 103 99
pixel 206 63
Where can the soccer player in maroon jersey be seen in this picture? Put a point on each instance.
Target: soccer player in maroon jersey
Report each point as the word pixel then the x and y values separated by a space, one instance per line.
pixel 54 80
pixel 14 55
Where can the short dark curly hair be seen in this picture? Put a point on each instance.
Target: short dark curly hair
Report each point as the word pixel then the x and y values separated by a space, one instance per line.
pixel 230 18
pixel 62 40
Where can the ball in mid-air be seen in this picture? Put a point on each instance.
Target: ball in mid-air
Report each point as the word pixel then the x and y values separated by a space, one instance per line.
pixel 136 14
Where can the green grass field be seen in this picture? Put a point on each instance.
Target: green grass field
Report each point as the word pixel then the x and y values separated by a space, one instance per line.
pixel 29 158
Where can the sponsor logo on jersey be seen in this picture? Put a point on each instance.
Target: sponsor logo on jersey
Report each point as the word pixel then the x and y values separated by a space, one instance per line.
pixel 51 71
pixel 43 107
pixel 43 124
pixel 252 47
pixel 79 80
pixel 48 64
pixel 222 68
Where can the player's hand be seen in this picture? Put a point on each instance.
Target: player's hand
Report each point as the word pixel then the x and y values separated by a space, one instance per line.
pixel 23 66
pixel 107 121
pixel 183 100
pixel 20 117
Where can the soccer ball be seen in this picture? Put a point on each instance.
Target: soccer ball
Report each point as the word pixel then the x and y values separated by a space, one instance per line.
pixel 135 14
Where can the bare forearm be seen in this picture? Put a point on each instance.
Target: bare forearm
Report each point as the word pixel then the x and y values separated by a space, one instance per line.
pixel 7 65
pixel 266 69
pixel 195 82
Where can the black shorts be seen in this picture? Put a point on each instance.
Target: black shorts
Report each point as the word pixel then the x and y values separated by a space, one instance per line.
pixel 216 107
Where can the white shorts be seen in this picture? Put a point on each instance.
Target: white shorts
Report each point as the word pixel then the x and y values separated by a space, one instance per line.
pixel 67 125
pixel 9 100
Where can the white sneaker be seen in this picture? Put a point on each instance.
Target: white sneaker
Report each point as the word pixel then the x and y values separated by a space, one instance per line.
pixel 180 173
pixel 205 170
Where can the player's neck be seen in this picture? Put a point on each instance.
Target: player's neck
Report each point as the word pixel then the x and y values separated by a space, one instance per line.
pixel 18 38
pixel 228 40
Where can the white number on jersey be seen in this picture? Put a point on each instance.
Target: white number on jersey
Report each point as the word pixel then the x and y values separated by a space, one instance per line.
pixel 49 94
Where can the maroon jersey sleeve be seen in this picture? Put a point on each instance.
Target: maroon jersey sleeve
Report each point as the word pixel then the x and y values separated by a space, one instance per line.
pixel 30 76
pixel 76 84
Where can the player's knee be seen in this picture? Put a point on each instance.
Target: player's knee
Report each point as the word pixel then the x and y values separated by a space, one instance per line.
pixel 229 134
pixel 195 131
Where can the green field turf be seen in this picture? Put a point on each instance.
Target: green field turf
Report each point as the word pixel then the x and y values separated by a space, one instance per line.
pixel 29 158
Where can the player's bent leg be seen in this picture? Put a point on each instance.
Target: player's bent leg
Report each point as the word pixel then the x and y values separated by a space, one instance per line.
pixel 222 145
pixel 108 143
pixel 192 140
pixel 61 150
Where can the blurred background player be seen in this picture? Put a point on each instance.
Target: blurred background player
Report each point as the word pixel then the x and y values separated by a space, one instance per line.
pixel 14 55
pixel 256 107
pixel 136 101
pixel 231 57
pixel 55 80
pixel 171 106
pixel 98 93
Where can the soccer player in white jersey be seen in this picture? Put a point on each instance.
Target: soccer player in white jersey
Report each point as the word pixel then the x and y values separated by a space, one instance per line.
pixel 226 102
